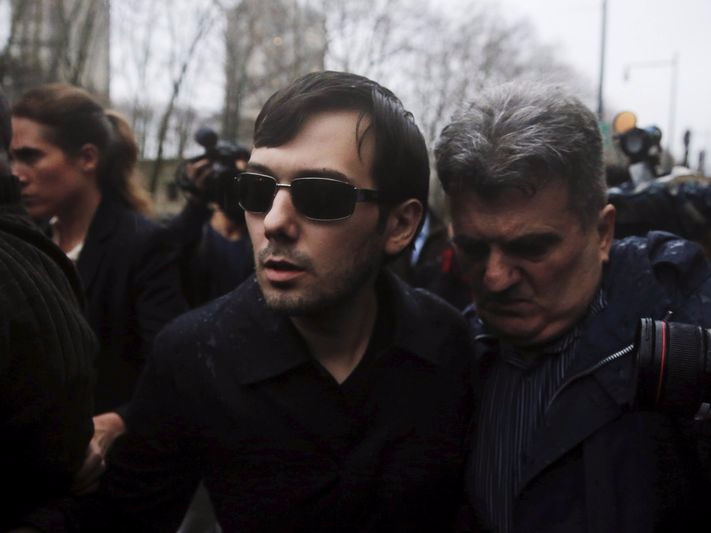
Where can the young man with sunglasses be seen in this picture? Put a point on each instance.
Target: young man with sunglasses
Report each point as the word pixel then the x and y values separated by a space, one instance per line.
pixel 322 394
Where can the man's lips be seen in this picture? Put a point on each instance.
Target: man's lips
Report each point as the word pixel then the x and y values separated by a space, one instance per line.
pixel 281 270
pixel 507 307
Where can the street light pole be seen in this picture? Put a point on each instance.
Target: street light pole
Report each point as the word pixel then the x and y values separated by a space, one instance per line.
pixel 603 41
pixel 672 100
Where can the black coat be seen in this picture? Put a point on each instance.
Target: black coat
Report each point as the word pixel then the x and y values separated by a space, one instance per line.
pixel 128 267
pixel 232 396
pixel 600 462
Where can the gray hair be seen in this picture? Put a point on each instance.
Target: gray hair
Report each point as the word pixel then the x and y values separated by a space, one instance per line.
pixel 524 135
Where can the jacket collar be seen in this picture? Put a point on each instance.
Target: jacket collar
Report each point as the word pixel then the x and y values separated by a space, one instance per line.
pixel 278 347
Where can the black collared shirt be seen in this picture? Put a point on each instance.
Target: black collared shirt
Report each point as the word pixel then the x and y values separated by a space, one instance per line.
pixel 231 395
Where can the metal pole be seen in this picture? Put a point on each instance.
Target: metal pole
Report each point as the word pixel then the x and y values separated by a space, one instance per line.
pixel 603 40
pixel 672 102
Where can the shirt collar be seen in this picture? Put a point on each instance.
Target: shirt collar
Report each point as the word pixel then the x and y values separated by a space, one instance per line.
pixel 269 345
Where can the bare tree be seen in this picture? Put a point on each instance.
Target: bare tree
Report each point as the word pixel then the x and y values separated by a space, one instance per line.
pixel 182 63
pixel 162 48
pixel 435 60
pixel 56 40
pixel 432 59
pixel 268 44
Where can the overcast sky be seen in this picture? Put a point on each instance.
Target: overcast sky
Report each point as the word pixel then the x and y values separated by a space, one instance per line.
pixel 638 32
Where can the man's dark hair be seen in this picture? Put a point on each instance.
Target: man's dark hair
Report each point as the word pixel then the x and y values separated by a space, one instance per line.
pixel 400 168
pixel 524 135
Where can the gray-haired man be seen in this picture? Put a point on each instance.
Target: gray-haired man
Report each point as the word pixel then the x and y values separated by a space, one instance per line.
pixel 561 444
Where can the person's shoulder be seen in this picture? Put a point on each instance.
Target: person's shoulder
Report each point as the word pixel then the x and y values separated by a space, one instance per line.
pixel 667 256
pixel 135 224
pixel 422 304
pixel 131 235
pixel 430 326
pixel 658 246
pixel 209 324
pixel 28 254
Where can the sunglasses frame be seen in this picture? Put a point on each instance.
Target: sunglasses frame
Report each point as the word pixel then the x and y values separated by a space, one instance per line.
pixel 361 195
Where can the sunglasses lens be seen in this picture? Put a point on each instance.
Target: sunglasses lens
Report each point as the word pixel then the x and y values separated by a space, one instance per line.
pixel 255 192
pixel 323 199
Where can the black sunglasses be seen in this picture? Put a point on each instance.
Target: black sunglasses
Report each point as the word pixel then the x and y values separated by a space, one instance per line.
pixel 315 198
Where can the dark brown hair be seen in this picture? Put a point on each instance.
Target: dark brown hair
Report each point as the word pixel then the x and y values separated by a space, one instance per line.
pixel 401 165
pixel 73 118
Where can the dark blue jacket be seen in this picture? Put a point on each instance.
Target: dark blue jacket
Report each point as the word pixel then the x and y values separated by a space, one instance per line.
pixel 598 462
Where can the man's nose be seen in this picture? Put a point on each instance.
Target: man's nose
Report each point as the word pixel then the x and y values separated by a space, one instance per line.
pixel 500 273
pixel 282 220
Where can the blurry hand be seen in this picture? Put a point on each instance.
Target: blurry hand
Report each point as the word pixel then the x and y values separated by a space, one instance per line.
pixel 197 172
pixel 107 427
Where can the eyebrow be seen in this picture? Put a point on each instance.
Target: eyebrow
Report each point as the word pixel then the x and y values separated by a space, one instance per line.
pixel 544 238
pixel 304 173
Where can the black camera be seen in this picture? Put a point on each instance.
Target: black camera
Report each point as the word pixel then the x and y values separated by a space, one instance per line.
pixel 218 186
pixel 641 144
pixel 673 366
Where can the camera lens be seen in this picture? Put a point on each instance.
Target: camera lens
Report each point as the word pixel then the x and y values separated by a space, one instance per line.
pixel 674 366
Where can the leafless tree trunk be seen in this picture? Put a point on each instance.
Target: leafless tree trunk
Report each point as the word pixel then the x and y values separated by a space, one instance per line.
pixel 56 40
pixel 203 24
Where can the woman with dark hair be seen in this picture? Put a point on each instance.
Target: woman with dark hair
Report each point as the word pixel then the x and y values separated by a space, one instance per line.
pixel 77 166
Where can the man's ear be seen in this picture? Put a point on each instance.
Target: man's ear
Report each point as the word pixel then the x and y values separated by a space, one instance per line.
pixel 606 230
pixel 402 223
pixel 88 158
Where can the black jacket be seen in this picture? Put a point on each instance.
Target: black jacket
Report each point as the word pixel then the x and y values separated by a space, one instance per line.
pixel 232 396
pixel 600 462
pixel 46 357
pixel 128 267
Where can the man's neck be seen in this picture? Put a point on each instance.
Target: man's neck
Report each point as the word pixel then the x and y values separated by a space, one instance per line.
pixel 72 225
pixel 338 339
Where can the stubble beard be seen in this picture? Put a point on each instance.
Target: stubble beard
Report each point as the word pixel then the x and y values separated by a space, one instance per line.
pixel 332 293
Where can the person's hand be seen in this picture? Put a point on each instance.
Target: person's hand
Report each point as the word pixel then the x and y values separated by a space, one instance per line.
pixel 107 427
pixel 197 172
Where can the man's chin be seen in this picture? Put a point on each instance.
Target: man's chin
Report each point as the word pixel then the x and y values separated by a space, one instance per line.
pixel 294 304
pixel 523 332
pixel 516 330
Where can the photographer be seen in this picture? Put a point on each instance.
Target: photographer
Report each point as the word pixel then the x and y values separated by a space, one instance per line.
pixel 215 249
pixel 679 203
pixel 563 443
